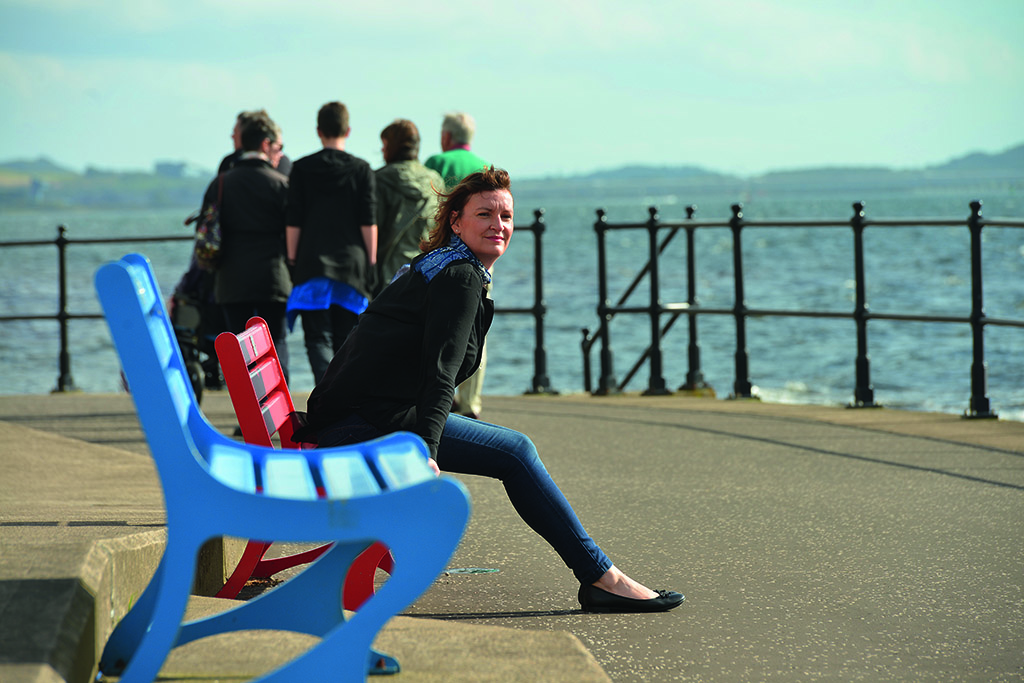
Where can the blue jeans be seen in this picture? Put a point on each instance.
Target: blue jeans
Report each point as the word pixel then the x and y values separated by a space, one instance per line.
pixel 472 447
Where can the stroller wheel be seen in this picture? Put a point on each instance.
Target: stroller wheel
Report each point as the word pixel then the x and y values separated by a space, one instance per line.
pixel 195 376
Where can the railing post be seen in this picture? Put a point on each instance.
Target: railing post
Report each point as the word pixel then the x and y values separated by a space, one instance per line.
pixel 606 383
pixel 585 347
pixel 656 382
pixel 694 375
pixel 741 385
pixel 64 381
pixel 979 407
pixel 541 381
pixel 863 392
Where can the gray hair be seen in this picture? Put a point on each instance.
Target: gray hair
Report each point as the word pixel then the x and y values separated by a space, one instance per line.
pixel 461 126
pixel 257 128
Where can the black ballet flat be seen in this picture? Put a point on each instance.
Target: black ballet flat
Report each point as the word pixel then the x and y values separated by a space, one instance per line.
pixel 594 599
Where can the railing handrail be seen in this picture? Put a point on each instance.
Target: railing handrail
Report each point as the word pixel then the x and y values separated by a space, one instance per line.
pixel 824 223
pixel 541 383
pixel 863 394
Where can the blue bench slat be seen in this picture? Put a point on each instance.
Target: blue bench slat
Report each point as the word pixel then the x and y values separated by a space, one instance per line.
pixel 348 476
pixel 401 464
pixel 233 467
pixel 287 475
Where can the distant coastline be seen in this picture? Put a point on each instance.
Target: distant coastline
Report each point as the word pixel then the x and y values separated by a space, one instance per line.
pixel 44 184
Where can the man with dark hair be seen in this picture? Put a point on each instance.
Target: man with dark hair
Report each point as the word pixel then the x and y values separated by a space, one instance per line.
pixel 252 278
pixel 331 239
pixel 332 120
pixel 406 199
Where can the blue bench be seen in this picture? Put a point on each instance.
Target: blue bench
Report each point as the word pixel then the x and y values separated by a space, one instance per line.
pixel 381 490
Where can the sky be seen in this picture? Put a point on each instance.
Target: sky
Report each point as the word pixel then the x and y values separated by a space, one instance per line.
pixel 557 87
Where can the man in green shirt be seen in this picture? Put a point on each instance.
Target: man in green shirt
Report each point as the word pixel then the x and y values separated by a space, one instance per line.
pixel 453 164
pixel 456 161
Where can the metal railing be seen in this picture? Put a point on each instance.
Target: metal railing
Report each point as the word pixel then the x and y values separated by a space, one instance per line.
pixel 65 382
pixel 541 383
pixel 742 388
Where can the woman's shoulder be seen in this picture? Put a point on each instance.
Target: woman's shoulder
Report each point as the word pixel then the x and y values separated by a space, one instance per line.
pixel 451 263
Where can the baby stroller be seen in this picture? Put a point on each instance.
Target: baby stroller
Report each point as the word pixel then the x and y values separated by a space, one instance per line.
pixel 197 321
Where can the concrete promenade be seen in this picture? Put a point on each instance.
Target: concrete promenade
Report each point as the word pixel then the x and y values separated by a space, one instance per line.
pixel 812 543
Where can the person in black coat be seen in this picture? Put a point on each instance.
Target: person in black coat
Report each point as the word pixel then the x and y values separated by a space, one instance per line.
pixel 252 277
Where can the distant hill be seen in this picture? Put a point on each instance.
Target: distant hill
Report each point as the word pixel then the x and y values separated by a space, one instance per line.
pixel 975 170
pixel 43 183
pixel 1012 159
pixel 42 166
pixel 638 172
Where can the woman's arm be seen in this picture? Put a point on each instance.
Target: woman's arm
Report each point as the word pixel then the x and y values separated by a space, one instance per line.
pixel 453 300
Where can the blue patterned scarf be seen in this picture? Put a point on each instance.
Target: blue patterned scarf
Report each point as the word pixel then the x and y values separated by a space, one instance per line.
pixel 439 259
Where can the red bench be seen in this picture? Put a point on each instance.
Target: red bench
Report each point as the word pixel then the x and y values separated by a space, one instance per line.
pixel 263 405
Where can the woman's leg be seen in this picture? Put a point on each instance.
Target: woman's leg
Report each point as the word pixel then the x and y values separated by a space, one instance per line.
pixel 472 447
pixel 350 430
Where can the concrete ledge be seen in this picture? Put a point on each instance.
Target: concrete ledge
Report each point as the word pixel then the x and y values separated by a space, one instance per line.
pixel 429 650
pixel 82 532
pixel 58 620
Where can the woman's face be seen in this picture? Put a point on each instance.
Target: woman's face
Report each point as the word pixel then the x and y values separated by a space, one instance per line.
pixel 485 224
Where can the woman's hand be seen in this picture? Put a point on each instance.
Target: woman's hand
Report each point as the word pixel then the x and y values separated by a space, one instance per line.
pixel 434 467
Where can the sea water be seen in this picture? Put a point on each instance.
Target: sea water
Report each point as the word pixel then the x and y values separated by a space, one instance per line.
pixel 909 270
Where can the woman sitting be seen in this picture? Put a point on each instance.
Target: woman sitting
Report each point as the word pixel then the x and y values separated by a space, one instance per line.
pixel 416 342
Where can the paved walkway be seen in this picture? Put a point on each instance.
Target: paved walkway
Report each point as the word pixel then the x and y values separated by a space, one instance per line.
pixel 812 544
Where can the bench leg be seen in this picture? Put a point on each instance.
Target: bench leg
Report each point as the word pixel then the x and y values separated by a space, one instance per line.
pixel 359 582
pixel 422 547
pixel 267 567
pixel 124 640
pixel 157 636
pixel 302 604
pixel 251 558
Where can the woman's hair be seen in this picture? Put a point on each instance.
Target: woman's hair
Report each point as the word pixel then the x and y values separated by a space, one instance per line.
pixel 403 141
pixel 452 203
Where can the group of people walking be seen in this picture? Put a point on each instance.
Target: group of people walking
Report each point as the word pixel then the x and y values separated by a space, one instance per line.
pixel 347 228
pixel 390 273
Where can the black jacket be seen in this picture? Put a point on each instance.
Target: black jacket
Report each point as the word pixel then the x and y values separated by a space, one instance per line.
pixel 418 340
pixel 331 195
pixel 252 210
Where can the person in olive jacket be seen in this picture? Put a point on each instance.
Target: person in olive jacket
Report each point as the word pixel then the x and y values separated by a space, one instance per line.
pixel 406 200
